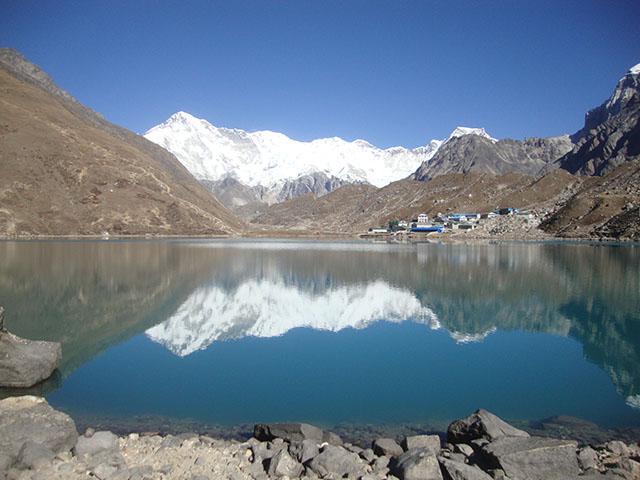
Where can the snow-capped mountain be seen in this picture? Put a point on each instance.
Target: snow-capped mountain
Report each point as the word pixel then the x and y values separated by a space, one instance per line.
pixel 269 159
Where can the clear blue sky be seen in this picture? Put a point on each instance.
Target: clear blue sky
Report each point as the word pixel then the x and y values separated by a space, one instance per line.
pixel 394 72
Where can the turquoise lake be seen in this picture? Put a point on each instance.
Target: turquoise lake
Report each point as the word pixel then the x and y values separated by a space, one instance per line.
pixel 233 332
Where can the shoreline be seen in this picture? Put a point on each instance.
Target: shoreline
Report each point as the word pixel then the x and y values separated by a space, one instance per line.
pixel 582 431
pixel 448 238
pixel 39 442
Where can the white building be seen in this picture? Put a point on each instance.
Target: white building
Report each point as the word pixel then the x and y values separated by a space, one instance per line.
pixel 423 219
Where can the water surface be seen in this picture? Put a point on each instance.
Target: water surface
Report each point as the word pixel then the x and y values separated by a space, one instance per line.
pixel 233 332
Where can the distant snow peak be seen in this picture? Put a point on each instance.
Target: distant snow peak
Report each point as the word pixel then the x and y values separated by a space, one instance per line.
pixel 269 159
pixel 462 131
pixel 635 70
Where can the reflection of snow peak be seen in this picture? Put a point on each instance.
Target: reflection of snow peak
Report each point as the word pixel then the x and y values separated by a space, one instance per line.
pixel 633 401
pixel 267 309
pixel 461 337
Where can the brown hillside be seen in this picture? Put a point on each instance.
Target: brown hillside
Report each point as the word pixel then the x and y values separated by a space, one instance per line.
pixel 607 206
pixel 355 208
pixel 64 170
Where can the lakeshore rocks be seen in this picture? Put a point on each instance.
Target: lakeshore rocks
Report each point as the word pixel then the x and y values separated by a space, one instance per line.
pixel 386 446
pixel 98 442
pixel 430 442
pixel 31 419
pixel 102 455
pixel 24 363
pixel 481 425
pixel 290 432
pixel 534 458
pixel 461 471
pixel 417 464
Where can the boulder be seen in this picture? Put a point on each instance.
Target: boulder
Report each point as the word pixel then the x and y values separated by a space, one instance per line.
pixel 431 442
pixel 461 471
pixel 304 451
pixel 33 455
pixel 290 432
pixel 533 458
pixel 588 458
pixel 24 363
pixel 24 419
pixel 331 438
pixel 337 461
pixel 282 464
pixel 417 464
pixel 481 425
pixel 464 449
pixel 386 446
pixel 98 442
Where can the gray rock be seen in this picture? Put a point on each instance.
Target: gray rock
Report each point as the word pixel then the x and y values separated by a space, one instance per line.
pixel 464 449
pixel 2 329
pixel 24 363
pixel 461 471
pixel 368 455
pixel 587 458
pixel 337 461
pixel 381 463
pixel 304 451
pixel 282 464
pixel 481 424
pixel 533 458
pixel 33 455
pixel 386 446
pixel 291 432
pixel 353 448
pixel 99 442
pixel 170 442
pixel 28 418
pixel 417 464
pixel 431 442
pixel 332 438
pixel 618 448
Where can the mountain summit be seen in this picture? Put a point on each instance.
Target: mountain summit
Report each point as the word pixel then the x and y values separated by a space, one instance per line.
pixel 611 132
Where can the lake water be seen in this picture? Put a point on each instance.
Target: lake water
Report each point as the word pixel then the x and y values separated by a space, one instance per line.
pixel 235 332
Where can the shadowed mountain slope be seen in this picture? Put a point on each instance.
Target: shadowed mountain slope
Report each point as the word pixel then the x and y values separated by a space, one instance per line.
pixel 611 132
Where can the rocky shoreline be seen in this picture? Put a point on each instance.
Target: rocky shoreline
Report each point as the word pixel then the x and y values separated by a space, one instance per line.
pixel 38 442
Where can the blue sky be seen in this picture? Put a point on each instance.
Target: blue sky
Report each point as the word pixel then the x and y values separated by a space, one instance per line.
pixel 394 72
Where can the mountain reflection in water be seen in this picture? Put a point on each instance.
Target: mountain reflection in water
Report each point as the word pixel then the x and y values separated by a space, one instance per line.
pixel 187 295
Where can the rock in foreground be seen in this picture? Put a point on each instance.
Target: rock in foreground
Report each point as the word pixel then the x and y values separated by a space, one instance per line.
pixel 24 363
pixel 31 419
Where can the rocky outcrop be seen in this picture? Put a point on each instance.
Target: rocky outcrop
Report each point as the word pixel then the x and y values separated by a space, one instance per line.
pixel 316 183
pixel 611 132
pixel 474 153
pixel 24 363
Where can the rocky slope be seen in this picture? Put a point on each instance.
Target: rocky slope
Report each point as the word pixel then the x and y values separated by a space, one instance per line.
pixel 354 208
pixel 611 132
pixel 607 206
pixel 474 153
pixel 68 171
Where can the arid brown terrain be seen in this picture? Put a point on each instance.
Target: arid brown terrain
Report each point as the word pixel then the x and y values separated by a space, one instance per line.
pixel 64 170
